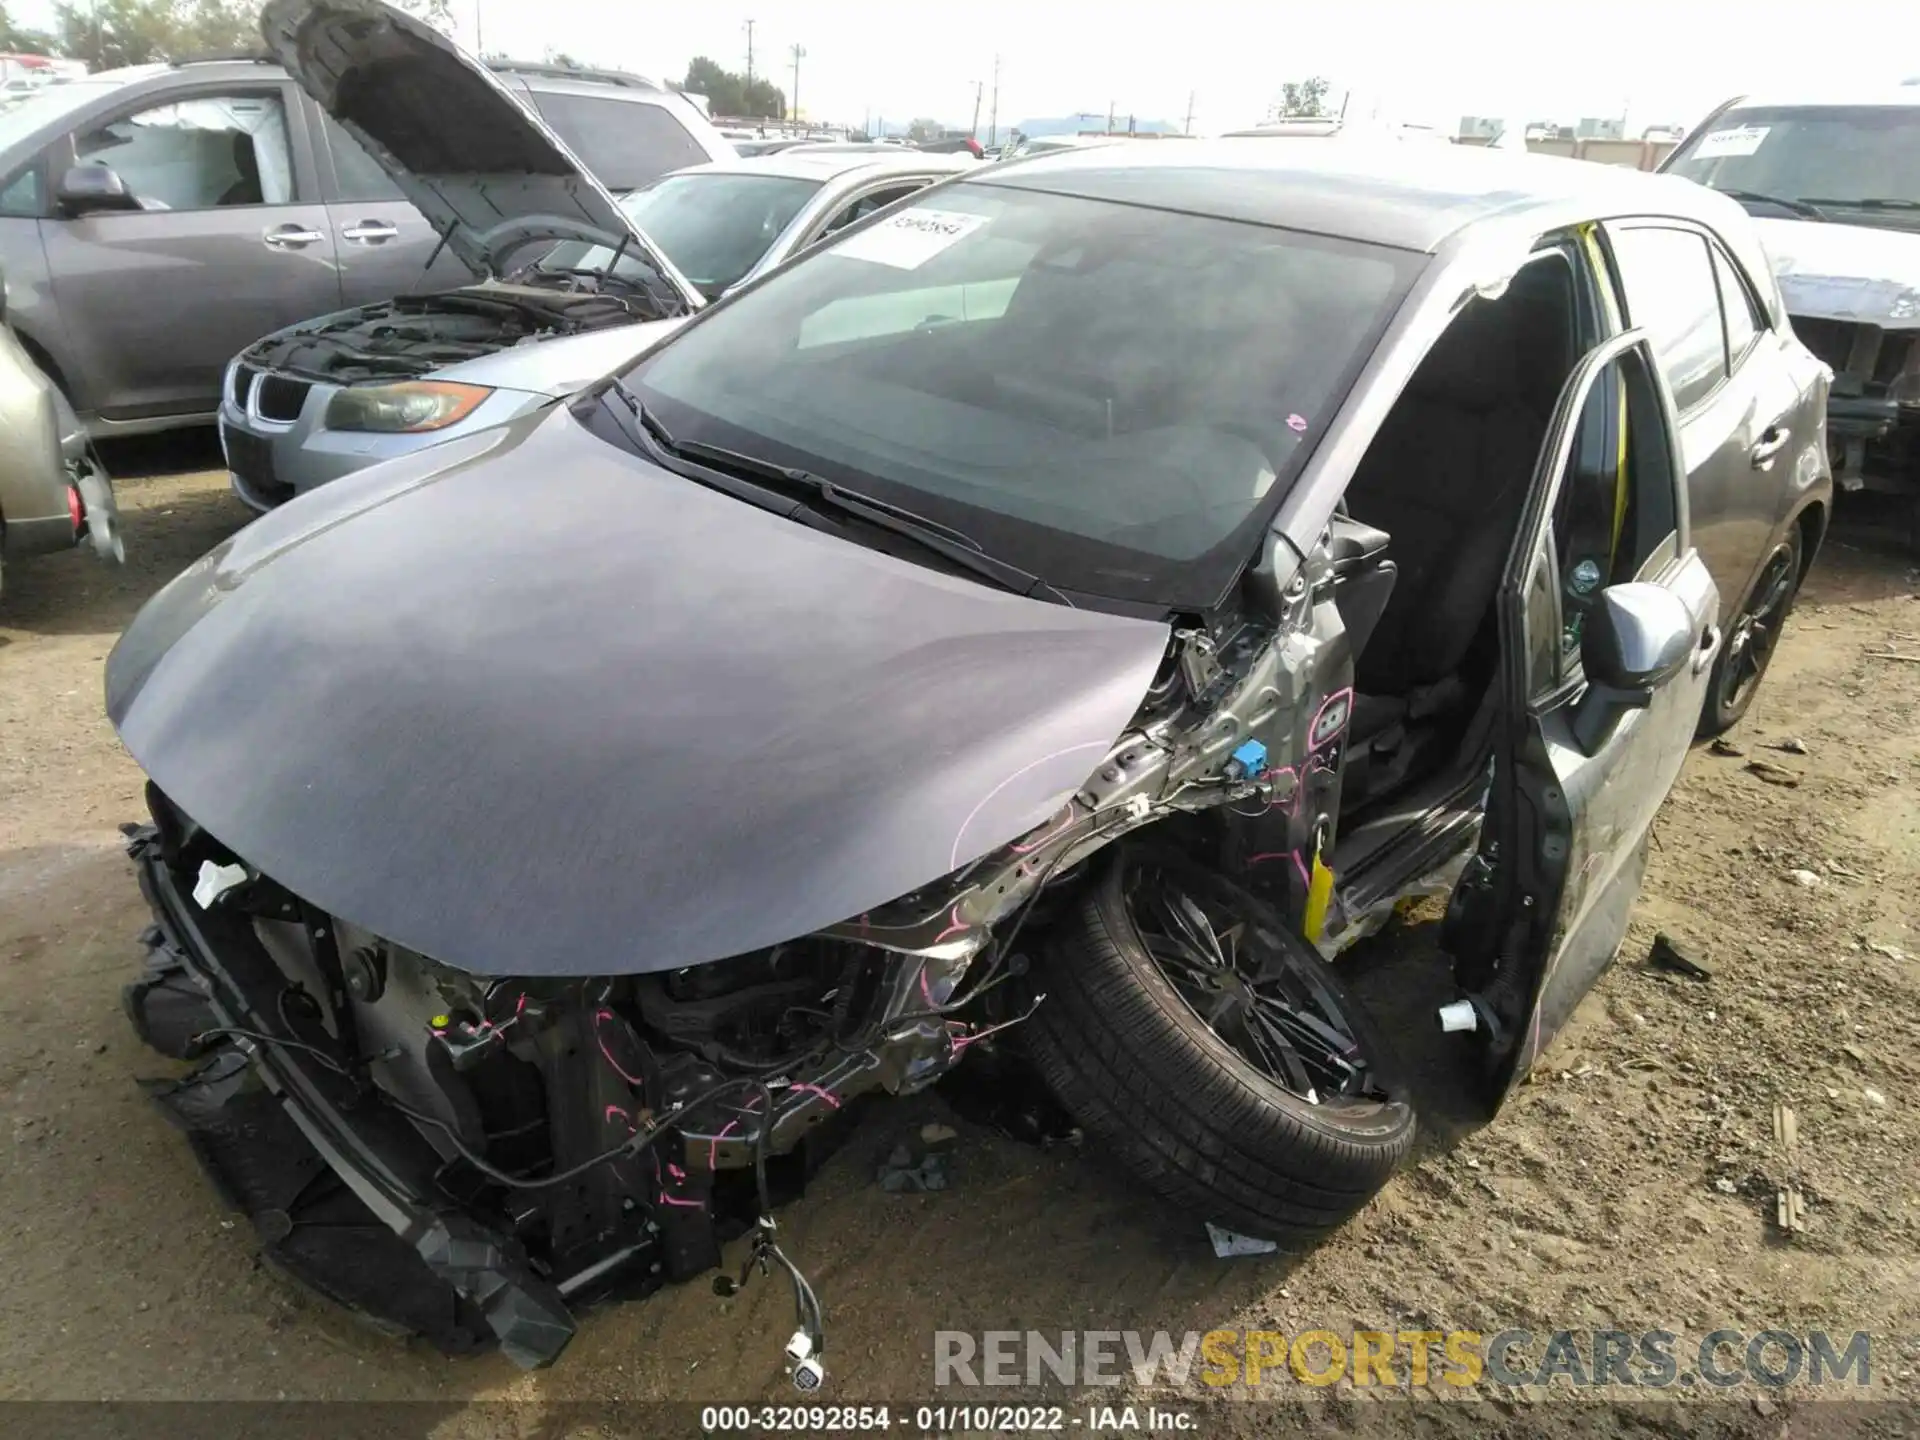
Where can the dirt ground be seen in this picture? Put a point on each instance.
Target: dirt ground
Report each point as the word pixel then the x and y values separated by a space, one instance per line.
pixel 1632 1184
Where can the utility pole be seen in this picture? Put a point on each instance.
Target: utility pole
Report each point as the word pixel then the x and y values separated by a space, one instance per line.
pixel 978 86
pixel 1187 129
pixel 793 103
pixel 993 117
pixel 479 30
pixel 747 98
pixel 1109 117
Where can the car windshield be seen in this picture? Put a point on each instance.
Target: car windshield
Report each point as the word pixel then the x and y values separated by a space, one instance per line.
pixel 1861 163
pixel 714 225
pixel 1110 396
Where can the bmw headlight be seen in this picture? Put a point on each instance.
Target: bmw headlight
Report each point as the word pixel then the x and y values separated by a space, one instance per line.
pixel 409 407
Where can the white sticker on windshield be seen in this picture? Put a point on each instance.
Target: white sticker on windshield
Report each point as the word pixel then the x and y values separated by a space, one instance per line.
pixel 1740 140
pixel 908 241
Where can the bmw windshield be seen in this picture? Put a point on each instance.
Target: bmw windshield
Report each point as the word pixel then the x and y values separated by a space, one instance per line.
pixel 1109 396
pixel 1859 164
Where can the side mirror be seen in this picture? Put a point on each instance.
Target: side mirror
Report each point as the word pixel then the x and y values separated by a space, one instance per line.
pixel 92 189
pixel 1638 637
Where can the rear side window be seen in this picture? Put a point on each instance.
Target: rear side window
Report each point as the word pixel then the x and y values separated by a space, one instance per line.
pixel 1673 293
pixel 623 143
pixel 357 175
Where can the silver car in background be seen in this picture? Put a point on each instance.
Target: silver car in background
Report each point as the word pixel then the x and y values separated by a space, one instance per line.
pixel 728 223
pixel 331 396
pixel 54 492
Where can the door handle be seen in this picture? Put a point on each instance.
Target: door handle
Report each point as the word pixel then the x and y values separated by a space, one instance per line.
pixel 1709 649
pixel 1772 441
pixel 291 237
pixel 370 232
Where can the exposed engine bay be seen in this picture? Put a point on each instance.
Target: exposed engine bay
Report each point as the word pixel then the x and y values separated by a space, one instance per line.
pixel 587 1137
pixel 414 335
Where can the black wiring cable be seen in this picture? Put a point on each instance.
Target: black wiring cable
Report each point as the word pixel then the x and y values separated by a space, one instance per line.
pixel 324 1056
pixel 806 1304
pixel 633 1145
pixel 1002 950
pixel 1003 943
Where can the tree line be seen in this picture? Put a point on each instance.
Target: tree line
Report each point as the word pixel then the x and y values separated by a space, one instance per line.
pixel 732 94
pixel 110 33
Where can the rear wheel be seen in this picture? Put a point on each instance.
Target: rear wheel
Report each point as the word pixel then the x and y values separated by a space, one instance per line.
pixel 1189 1028
pixel 1752 638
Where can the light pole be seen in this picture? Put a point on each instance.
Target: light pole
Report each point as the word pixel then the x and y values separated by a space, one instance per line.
pixel 746 99
pixel 793 104
pixel 993 116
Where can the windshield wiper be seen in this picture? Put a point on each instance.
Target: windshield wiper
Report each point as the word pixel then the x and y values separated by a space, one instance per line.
pixel 1875 203
pixel 1786 202
pixel 816 492
pixel 650 437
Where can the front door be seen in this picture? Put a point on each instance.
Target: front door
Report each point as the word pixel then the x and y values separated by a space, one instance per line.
pixel 230 243
pixel 1584 758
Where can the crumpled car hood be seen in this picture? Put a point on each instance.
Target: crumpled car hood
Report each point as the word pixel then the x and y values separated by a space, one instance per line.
pixel 490 176
pixel 1857 273
pixel 533 706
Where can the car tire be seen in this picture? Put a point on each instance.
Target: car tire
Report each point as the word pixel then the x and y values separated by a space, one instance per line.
pixel 1751 639
pixel 1130 1057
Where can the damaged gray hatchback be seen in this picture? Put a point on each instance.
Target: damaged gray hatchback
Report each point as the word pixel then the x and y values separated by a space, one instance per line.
pixel 1057 618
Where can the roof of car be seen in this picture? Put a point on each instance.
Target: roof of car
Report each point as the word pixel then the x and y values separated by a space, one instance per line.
pixel 1410 196
pixel 535 69
pixel 1907 95
pixel 803 164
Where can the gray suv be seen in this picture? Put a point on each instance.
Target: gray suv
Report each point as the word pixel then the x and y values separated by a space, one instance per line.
pixel 156 220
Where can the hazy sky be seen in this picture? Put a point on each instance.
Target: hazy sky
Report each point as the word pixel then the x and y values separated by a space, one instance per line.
pixel 1658 60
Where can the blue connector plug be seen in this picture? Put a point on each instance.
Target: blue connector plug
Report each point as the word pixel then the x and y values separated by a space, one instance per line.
pixel 1248 761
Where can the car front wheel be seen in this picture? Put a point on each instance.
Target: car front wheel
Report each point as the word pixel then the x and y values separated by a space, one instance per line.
pixel 1188 1027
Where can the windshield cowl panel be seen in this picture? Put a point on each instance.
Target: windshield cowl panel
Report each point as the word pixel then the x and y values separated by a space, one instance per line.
pixel 1110 397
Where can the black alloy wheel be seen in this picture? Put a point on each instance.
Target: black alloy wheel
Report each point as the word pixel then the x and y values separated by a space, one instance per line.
pixel 1188 1026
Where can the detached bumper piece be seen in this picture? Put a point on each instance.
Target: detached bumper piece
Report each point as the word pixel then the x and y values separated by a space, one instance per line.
pixel 338 1188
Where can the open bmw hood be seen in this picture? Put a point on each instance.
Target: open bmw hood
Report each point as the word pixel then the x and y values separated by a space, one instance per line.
pixel 1859 273
pixel 486 171
pixel 609 722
